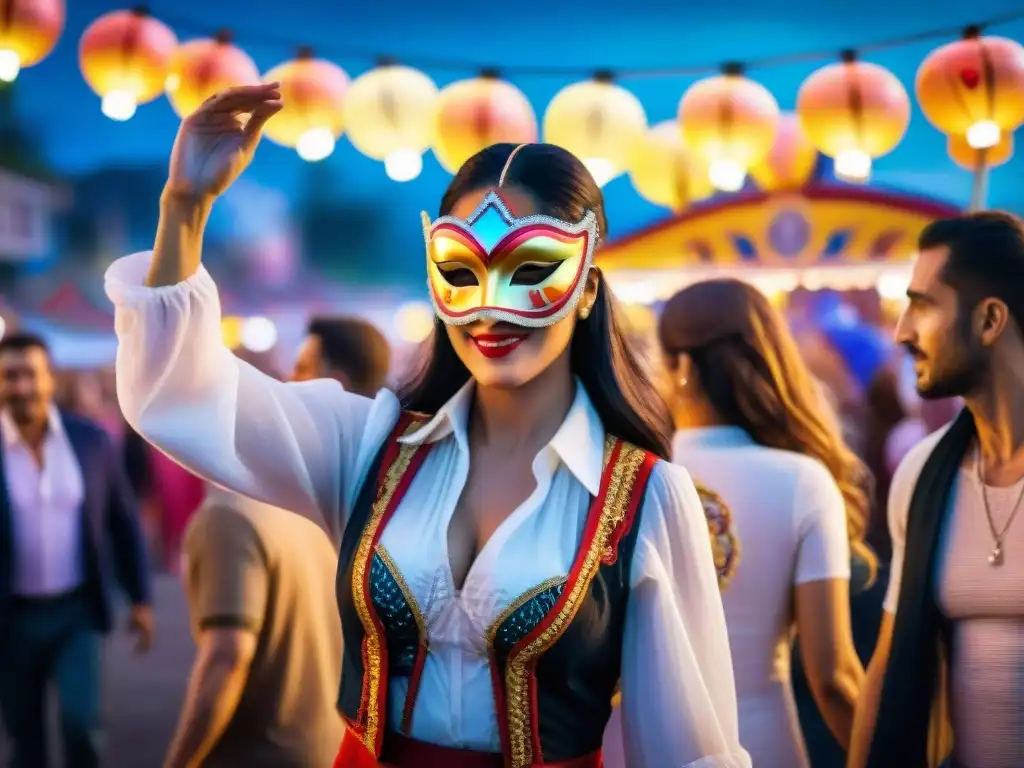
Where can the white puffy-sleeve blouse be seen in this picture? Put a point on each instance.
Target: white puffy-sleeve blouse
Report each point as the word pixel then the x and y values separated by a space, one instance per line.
pixel 306 447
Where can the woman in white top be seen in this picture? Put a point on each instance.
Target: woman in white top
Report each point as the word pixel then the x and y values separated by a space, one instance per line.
pixel 792 505
pixel 487 548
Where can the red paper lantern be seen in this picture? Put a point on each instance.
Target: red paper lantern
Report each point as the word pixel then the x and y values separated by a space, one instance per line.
pixel 203 68
pixel 313 116
pixel 974 88
pixel 29 29
pixel 124 57
pixel 853 111
pixel 474 114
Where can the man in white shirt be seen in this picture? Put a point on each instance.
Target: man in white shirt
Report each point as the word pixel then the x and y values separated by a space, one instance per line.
pixel 65 509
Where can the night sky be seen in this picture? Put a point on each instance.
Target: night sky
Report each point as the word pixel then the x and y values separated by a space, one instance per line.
pixel 53 98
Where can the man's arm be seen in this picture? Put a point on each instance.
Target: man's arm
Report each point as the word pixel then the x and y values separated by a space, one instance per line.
pixel 901 490
pixel 870 697
pixel 226 583
pixel 215 687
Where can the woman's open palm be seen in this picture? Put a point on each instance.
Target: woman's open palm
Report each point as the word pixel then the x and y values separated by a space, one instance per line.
pixel 217 142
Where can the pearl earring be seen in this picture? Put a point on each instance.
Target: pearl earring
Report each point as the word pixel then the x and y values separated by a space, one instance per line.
pixel 683 382
pixel 584 313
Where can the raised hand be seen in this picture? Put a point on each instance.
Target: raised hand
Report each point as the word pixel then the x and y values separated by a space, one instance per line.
pixel 217 142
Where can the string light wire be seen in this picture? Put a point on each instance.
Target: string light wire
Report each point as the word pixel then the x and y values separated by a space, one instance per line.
pixel 444 64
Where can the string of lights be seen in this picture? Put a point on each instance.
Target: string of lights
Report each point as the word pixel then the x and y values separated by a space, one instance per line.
pixel 463 65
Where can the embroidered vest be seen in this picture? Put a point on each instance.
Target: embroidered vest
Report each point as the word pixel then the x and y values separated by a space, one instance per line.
pixel 554 652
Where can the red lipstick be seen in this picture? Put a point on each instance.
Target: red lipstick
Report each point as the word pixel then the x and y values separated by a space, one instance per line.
pixel 496 345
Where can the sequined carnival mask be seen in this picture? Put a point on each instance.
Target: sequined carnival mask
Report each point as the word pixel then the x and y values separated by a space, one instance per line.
pixel 529 271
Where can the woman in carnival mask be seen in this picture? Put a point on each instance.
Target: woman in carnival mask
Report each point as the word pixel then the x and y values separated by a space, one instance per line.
pixel 512 541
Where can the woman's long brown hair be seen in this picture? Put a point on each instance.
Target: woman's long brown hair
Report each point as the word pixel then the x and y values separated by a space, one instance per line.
pixel 751 372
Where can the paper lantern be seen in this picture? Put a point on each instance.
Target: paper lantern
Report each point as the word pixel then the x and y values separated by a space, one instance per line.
pixel 853 112
pixel 389 116
pixel 474 114
pixel 729 121
pixel 29 29
pixel 124 57
pixel 971 159
pixel 313 116
pixel 974 88
pixel 790 163
pixel 664 171
pixel 597 121
pixel 203 68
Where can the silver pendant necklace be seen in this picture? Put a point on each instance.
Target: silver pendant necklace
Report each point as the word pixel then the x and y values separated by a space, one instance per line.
pixel 995 558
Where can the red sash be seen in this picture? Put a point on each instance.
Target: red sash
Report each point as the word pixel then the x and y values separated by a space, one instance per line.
pixel 402 752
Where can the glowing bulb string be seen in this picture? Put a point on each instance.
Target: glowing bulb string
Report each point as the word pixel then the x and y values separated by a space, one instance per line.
pixel 767 62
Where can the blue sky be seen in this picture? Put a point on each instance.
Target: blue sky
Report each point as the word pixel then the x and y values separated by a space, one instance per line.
pixel 589 35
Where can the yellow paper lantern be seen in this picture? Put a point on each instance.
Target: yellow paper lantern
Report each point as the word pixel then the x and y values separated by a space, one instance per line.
pixel 597 121
pixel 790 163
pixel 472 115
pixel 313 117
pixel 971 159
pixel 974 88
pixel 29 29
pixel 664 171
pixel 853 112
pixel 389 116
pixel 730 122
pixel 203 68
pixel 125 57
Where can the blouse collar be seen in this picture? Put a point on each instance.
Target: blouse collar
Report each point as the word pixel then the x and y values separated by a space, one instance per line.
pixel 578 443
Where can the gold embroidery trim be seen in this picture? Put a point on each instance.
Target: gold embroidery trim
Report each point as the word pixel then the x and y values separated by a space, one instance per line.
pixel 515 605
pixel 403 586
pixel 410 600
pixel 372 639
pixel 517 678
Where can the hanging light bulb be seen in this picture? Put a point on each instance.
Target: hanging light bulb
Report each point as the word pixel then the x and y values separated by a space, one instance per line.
pixel 10 66
pixel 315 144
pixel 853 165
pixel 403 164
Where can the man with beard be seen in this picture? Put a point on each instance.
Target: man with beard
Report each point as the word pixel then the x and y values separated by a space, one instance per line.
pixel 951 646
pixel 68 529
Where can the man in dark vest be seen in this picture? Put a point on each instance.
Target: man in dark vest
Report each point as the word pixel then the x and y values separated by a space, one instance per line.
pixel 944 681
pixel 68 531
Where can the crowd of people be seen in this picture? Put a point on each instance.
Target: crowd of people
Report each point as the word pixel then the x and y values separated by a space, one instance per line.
pixel 540 549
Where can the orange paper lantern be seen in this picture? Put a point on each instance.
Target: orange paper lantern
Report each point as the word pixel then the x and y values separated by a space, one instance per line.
pixel 664 171
pixel 971 159
pixel 313 117
pixel 474 114
pixel 29 29
pixel 790 162
pixel 124 57
pixel 730 121
pixel 974 88
pixel 853 112
pixel 202 68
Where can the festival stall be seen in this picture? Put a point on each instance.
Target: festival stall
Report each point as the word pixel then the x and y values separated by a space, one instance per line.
pixel 824 235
